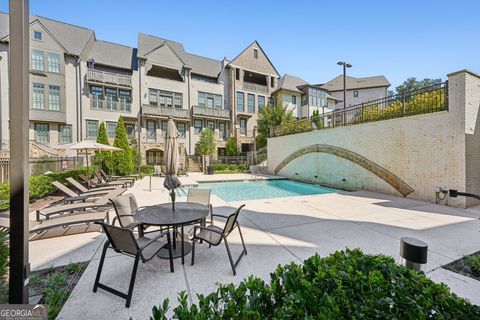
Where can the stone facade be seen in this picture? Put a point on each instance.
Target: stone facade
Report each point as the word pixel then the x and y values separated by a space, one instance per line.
pixel 425 151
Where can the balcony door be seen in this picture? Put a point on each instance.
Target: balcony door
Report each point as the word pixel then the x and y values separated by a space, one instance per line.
pixel 154 157
pixel 210 103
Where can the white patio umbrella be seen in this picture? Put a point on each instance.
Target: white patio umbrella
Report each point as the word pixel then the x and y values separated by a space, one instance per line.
pixel 89 146
pixel 171 158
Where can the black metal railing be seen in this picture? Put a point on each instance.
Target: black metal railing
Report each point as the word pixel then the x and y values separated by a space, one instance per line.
pixel 426 100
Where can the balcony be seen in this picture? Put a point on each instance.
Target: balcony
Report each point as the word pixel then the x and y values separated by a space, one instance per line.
pixel 110 105
pixel 255 87
pixel 165 112
pixel 158 137
pixel 211 113
pixel 116 79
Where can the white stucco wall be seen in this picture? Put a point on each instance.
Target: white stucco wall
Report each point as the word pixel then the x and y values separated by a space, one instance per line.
pixel 424 151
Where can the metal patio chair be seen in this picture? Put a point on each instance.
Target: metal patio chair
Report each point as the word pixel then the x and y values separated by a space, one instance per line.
pixel 123 241
pixel 214 236
pixel 126 208
pixel 201 196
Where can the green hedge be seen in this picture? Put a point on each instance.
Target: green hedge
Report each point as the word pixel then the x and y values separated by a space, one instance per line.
pixel 41 186
pixel 229 168
pixel 147 169
pixel 345 285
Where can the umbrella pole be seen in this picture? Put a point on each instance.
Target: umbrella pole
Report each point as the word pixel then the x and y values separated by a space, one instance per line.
pixel 172 195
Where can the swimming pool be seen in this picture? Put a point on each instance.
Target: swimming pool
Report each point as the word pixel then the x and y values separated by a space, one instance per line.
pixel 251 190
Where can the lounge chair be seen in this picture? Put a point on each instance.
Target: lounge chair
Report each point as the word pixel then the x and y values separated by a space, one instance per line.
pixel 82 189
pixel 102 182
pixel 214 235
pixel 72 196
pixel 123 241
pixel 65 221
pixel 108 178
pixel 96 184
pixel 64 208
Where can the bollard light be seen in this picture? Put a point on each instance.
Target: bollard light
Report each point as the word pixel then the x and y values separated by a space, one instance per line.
pixel 413 253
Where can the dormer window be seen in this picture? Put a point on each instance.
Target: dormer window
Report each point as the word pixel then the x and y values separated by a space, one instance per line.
pixel 255 53
pixel 37 35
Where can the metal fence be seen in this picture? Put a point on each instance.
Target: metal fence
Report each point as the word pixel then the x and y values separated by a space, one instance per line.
pixel 229 159
pixel 41 165
pixel 426 100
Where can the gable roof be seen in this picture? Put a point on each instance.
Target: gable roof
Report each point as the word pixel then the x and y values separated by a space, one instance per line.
pixel 291 83
pixel 336 84
pixel 72 38
pixel 258 45
pixel 112 54
pixel 198 64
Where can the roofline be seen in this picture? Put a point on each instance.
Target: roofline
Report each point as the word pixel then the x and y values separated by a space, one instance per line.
pixel 165 42
pixel 67 23
pixel 114 43
pixel 146 34
pixel 255 41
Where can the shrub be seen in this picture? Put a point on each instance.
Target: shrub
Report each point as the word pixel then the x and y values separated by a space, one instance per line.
pixel 40 186
pixel 345 285
pixel 103 159
pixel 4 254
pixel 231 147
pixel 123 159
pixel 4 195
pixel 229 168
pixel 147 169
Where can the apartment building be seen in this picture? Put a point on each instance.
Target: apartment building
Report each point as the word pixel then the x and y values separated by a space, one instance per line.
pixel 358 89
pixel 303 98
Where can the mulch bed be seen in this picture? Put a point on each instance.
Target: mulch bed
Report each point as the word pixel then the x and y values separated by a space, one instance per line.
pixel 461 266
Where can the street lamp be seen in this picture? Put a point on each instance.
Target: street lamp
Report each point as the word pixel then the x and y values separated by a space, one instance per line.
pixel 345 66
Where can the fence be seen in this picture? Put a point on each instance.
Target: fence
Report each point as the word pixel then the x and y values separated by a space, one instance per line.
pixel 229 159
pixel 426 100
pixel 41 165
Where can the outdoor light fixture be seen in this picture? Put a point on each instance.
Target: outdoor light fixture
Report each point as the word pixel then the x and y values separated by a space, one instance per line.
pixel 413 253
pixel 345 66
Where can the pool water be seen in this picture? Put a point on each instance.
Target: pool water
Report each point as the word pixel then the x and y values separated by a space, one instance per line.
pixel 251 190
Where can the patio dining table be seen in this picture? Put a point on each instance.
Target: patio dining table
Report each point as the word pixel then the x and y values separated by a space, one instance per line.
pixel 162 215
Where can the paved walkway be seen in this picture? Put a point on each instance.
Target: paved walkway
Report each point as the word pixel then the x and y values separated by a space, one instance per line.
pixel 276 231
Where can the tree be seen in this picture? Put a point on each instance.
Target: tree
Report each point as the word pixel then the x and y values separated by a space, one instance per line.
pixel 103 159
pixel 412 84
pixel 206 144
pixel 123 159
pixel 231 147
pixel 317 120
pixel 270 117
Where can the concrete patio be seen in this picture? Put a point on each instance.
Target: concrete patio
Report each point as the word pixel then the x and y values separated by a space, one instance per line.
pixel 276 231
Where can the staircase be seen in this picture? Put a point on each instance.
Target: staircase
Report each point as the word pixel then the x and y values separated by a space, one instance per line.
pixel 194 164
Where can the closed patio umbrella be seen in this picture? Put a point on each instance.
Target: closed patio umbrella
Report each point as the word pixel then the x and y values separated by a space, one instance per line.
pixel 171 158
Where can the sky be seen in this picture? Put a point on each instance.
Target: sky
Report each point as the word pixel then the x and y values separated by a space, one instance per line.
pixel 398 39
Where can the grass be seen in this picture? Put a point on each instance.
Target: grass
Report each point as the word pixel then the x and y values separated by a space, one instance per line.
pixel 468 266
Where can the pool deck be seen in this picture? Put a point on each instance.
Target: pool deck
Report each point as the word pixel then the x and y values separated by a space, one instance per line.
pixel 276 231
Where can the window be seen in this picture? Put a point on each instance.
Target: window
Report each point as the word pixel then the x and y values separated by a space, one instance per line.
pixel 316 97
pixel 37 35
pixel 53 62
pixel 261 102
pixel 38 96
pixel 209 100
pixel 272 82
pixel 201 99
pixel 222 132
pixel 92 129
pixel 64 133
pixel 210 103
pixel 237 74
pixel 197 125
pixel 355 94
pixel 96 97
pixel 294 99
pixel 255 53
pixel 211 125
pixel 240 103
pixel 163 126
pixel 130 128
pixel 41 132
pixel 37 60
pixel 111 98
pixel 181 129
pixel 125 100
pixel 243 127
pixel 218 101
pixel 151 130
pixel 251 103
pixel 111 129
pixel 199 77
pixel 165 98
pixel 54 98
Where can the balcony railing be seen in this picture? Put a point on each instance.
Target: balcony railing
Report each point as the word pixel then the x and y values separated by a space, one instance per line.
pixel 109 77
pixel 211 113
pixel 158 136
pixel 166 112
pixel 110 105
pixel 255 87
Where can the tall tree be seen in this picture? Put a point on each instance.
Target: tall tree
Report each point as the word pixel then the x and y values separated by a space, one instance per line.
pixel 103 159
pixel 231 147
pixel 206 144
pixel 123 159
pixel 269 117
pixel 412 84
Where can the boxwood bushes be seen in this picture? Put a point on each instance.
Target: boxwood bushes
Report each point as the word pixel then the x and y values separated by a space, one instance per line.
pixel 345 285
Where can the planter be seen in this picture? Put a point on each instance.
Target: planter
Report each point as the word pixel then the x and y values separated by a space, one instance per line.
pixel 210 170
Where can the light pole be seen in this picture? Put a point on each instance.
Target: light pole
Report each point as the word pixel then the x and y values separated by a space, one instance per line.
pixel 345 66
